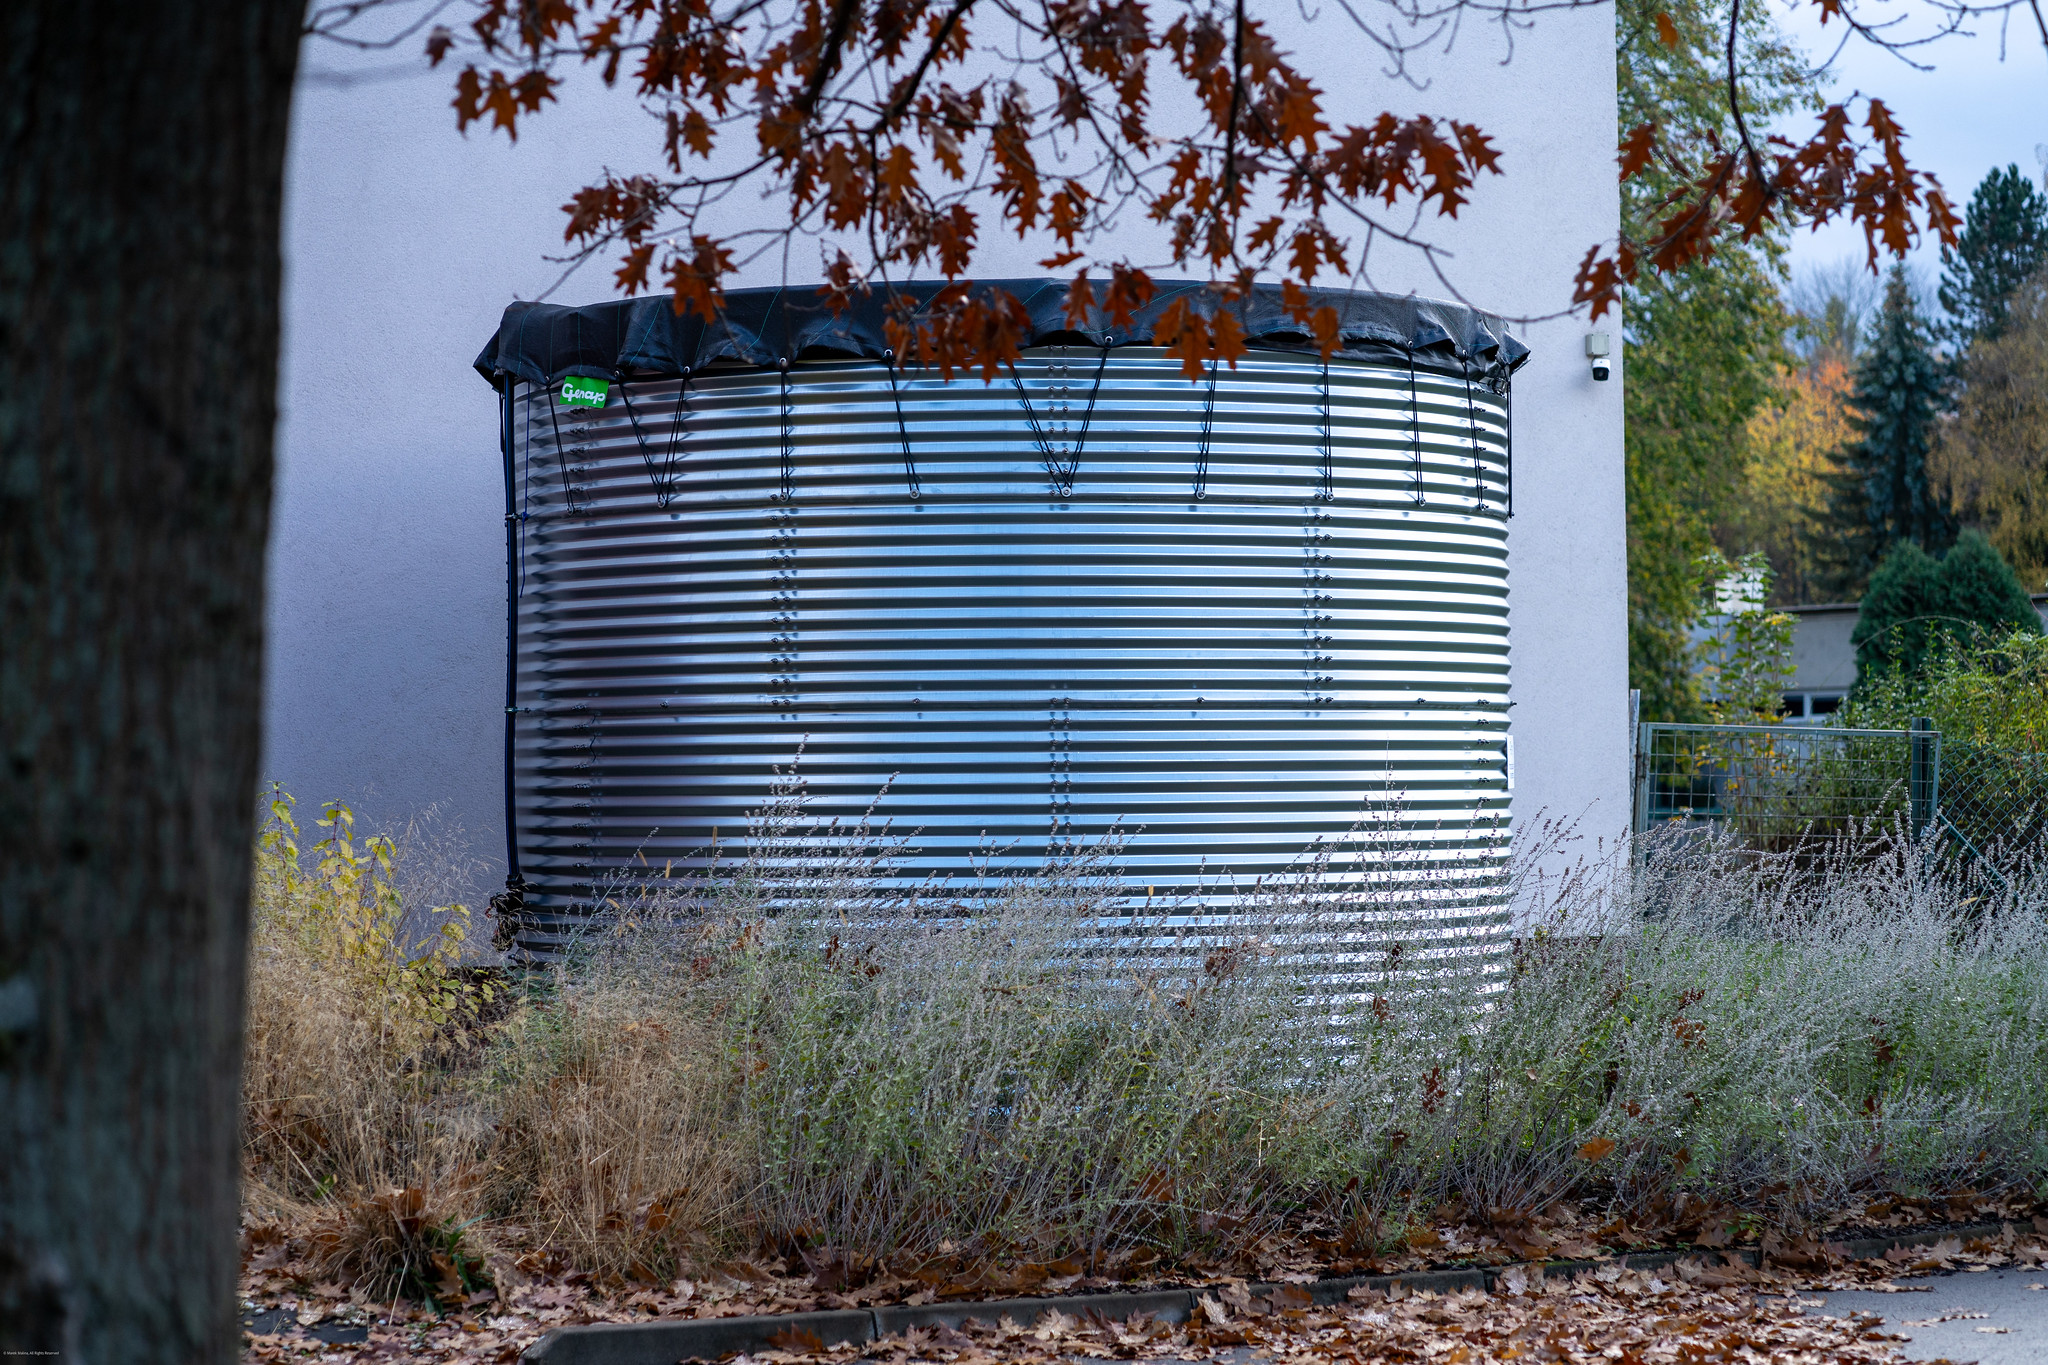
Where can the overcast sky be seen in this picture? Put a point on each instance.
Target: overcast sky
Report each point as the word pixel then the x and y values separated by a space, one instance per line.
pixel 1971 113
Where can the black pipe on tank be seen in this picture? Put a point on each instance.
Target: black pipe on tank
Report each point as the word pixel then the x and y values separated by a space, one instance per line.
pixel 509 905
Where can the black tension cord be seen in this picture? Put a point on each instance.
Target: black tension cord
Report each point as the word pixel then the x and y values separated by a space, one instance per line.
pixel 1507 414
pixel 1074 465
pixel 639 438
pixel 1061 472
pixel 513 520
pixel 1500 380
pixel 675 439
pixel 561 459
pixel 662 476
pixel 1037 432
pixel 909 464
pixel 1415 427
pixel 1472 425
pixel 1329 473
pixel 1208 420
pixel 788 438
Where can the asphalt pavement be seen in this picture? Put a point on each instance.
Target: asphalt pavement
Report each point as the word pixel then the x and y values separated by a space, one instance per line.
pixel 1994 1317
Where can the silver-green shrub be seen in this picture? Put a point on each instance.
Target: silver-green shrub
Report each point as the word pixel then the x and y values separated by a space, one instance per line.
pixel 893 1069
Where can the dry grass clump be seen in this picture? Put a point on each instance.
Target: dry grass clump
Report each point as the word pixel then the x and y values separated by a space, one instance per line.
pixel 394 1243
pixel 353 1127
pixel 608 1145
pixel 793 1056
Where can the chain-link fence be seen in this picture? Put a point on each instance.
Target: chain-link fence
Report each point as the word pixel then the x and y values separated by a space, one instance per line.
pixel 1994 802
pixel 1779 786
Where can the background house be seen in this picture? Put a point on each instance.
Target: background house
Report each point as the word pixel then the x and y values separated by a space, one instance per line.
pixel 1823 660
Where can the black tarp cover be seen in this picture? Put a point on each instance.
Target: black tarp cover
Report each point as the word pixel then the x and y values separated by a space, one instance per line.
pixel 542 343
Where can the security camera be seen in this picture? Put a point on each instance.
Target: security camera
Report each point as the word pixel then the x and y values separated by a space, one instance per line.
pixel 1597 348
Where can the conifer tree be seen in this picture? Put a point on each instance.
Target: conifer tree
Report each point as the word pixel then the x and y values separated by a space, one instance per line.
pixel 1915 602
pixel 1903 602
pixel 1978 586
pixel 2004 240
pixel 1882 493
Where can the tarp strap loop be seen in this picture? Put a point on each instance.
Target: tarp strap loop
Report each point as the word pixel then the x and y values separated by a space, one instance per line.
pixel 1415 427
pixel 1061 465
pixel 569 506
pixel 909 464
pixel 663 477
pixel 1208 419
pixel 1329 489
pixel 788 436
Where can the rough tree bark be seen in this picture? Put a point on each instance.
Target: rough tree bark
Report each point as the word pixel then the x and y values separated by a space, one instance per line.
pixel 141 170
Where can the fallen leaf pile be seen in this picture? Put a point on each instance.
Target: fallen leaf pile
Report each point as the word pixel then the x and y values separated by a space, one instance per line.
pixel 1608 1315
pixel 1715 1307
pixel 797 1277
pixel 2010 1247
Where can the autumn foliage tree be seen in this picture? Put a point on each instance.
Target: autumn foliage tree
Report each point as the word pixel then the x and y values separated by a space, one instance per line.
pixel 1992 457
pixel 1703 338
pixel 1792 440
pixel 851 110
pixel 1791 443
pixel 901 133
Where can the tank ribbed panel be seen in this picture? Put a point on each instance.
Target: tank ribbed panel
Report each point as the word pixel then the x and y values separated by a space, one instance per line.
pixel 1231 677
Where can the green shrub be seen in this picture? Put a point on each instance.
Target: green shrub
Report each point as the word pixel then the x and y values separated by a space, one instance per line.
pixel 1915 602
pixel 1989 700
pixel 1989 691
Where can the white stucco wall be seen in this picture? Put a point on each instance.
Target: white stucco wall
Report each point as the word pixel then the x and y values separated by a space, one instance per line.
pixel 404 242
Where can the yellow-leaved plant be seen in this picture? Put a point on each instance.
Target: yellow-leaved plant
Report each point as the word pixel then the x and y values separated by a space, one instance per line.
pixel 347 913
pixel 1745 660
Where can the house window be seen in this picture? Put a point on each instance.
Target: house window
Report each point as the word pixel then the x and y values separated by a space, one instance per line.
pixel 1793 707
pixel 1824 706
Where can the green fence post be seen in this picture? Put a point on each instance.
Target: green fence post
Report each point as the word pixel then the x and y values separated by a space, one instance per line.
pixel 1925 777
pixel 1639 800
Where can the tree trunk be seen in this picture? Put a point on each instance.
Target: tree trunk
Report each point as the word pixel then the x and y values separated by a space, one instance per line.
pixel 141 172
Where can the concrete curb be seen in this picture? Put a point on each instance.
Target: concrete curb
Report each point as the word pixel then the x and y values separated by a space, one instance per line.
pixel 668 1342
pixel 1167 1305
pixel 665 1343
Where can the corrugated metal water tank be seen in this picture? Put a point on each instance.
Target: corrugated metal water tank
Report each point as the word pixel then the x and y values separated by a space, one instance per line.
pixel 1233 618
